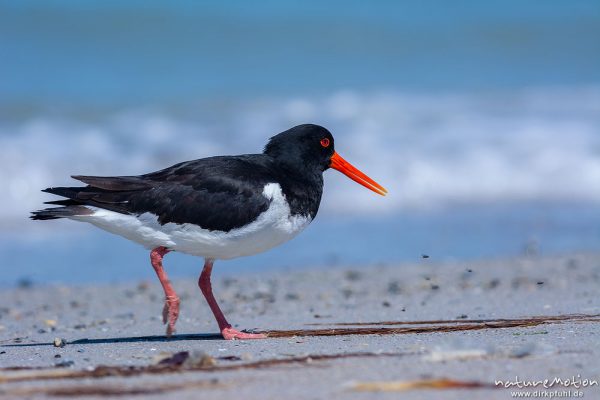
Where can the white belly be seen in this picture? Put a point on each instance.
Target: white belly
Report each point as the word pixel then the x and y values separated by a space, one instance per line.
pixel 273 227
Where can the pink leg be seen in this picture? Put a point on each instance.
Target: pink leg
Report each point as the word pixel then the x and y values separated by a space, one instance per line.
pixel 171 308
pixel 225 327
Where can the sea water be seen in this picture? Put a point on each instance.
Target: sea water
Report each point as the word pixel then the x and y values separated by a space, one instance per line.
pixel 482 121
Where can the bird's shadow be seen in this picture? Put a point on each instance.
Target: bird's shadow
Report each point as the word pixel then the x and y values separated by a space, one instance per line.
pixel 130 339
pixel 352 328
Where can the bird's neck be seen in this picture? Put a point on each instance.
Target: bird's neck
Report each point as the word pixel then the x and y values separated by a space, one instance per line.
pixel 303 190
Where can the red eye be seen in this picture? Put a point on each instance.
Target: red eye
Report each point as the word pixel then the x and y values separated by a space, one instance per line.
pixel 325 142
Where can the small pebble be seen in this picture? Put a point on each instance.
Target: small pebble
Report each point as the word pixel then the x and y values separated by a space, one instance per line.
pixel 198 358
pixel 58 342
pixel 523 351
pixel 187 359
pixel 292 296
pixel 493 283
pixel 127 315
pixel 394 287
pixel 353 275
pixel 51 323
pixel 64 363
pixel 24 283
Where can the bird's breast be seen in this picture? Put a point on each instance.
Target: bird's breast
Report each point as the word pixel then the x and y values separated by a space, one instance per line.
pixel 273 227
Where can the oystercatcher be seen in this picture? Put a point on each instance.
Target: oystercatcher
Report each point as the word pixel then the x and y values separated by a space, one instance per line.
pixel 217 208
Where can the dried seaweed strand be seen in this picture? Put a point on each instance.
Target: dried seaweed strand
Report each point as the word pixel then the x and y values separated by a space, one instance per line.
pixel 105 390
pixel 103 371
pixel 566 317
pixel 408 330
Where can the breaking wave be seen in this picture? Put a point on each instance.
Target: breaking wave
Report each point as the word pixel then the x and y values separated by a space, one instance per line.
pixel 428 150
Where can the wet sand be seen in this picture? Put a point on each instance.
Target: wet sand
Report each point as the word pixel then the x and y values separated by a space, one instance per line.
pixel 427 330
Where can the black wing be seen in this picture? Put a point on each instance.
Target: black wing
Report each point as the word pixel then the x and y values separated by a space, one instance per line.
pixel 216 193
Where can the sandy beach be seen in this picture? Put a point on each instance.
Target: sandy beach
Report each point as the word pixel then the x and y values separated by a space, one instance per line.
pixel 428 329
pixel 475 276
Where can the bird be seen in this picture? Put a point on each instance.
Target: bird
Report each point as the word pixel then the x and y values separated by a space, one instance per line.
pixel 218 208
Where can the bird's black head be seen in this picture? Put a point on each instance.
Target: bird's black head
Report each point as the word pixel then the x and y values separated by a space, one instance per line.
pixel 305 147
pixel 308 150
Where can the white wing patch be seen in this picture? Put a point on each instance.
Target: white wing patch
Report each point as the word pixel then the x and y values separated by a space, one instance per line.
pixel 273 227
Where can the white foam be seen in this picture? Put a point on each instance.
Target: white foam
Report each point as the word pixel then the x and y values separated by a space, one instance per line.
pixel 427 150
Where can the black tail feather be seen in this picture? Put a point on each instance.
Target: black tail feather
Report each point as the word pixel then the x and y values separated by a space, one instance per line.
pixel 114 183
pixel 68 192
pixel 60 212
pixel 110 193
pixel 68 202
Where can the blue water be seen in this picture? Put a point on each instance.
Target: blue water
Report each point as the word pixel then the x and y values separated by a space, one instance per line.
pixel 481 118
pixel 111 52
pixel 460 234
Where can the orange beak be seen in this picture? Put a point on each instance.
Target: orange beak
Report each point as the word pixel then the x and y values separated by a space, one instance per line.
pixel 338 163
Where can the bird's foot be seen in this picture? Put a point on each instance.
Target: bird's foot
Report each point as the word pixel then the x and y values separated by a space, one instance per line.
pixel 233 334
pixel 171 313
